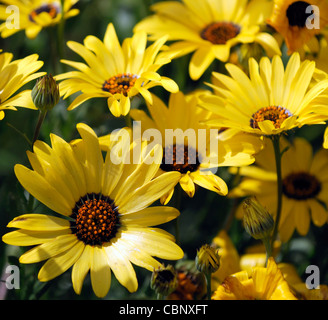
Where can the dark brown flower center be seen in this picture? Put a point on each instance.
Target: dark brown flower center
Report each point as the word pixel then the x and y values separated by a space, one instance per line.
pixel 121 83
pixel 180 158
pixel 220 32
pixel 49 8
pixel 296 14
pixel 275 114
pixel 96 219
pixel 301 186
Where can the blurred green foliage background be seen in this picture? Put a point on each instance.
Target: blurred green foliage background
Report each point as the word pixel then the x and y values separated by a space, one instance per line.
pixel 201 217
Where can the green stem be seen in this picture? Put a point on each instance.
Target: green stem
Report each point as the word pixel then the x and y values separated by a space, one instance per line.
pixel 277 154
pixel 42 116
pixel 208 285
pixel 268 248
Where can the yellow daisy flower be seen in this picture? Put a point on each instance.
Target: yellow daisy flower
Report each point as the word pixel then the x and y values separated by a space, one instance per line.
pixel 297 21
pixel 114 72
pixel 262 284
pixel 104 220
pixel 209 28
pixel 304 186
pixel 14 74
pixel 269 101
pixel 33 15
pixel 196 151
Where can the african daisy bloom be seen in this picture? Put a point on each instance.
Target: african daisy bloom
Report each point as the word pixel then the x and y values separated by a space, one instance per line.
pixel 299 21
pixel 209 28
pixel 190 148
pixel 104 219
pixel 269 101
pixel 115 73
pixel 304 186
pixel 14 74
pixel 261 284
pixel 34 15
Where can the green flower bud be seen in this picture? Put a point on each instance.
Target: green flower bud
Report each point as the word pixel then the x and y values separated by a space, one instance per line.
pixel 258 222
pixel 164 280
pixel 207 259
pixel 45 93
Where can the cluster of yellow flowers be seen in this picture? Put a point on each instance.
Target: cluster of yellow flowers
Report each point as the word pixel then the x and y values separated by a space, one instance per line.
pixel 101 189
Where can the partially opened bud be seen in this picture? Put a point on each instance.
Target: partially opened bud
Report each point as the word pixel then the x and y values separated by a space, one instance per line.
pixel 45 93
pixel 258 222
pixel 164 280
pixel 207 259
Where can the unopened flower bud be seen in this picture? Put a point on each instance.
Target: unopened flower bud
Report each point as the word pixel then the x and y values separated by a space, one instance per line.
pixel 164 280
pixel 45 93
pixel 207 259
pixel 258 222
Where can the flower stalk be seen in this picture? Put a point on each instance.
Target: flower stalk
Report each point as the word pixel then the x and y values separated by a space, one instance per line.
pixel 278 155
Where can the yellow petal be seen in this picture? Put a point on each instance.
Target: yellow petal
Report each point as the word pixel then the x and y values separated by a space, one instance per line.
pixel 125 105
pixel 81 268
pixel 42 190
pixel 169 84
pixel 114 106
pixel 200 61
pixel 165 199
pixel 40 222
pixel 113 45
pixel 154 241
pixel 187 185
pixel 150 216
pixel 137 256
pixel 148 193
pixel 302 218
pixel 62 262
pixel 142 174
pixel 318 213
pixel 211 182
pixel 268 42
pixel 30 238
pixel 100 272
pixel 66 154
pixel 121 267
pixel 49 249
pixel 94 159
